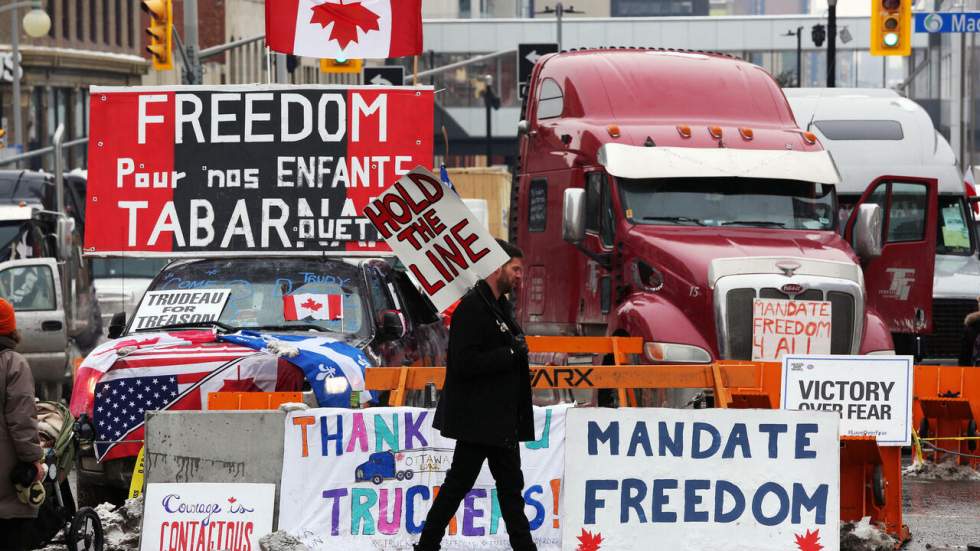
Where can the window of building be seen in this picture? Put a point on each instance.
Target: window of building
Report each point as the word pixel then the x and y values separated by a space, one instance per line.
pixel 106 24
pixel 93 17
pixel 119 21
pixel 658 8
pixel 128 25
pixel 550 100
pixel 79 20
pixel 65 23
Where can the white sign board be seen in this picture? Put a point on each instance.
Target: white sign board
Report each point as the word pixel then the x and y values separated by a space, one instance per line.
pixel 188 517
pixel 162 308
pixel 365 479
pixel 719 479
pixel 781 327
pixel 444 247
pixel 872 394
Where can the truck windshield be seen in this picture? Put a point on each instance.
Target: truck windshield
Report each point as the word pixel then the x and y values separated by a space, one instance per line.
pixel 273 295
pixel 788 204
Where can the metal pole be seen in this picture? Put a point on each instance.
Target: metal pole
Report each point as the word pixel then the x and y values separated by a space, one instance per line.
pixel 192 44
pixel 281 76
pixel 559 11
pixel 15 100
pixel 486 100
pixel 799 57
pixel 832 43
pixel 59 167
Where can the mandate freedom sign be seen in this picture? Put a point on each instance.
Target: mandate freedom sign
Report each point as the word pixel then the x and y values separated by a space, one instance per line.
pixel 872 394
pixel 789 327
pixel 162 308
pixel 435 235
pixel 365 479
pixel 196 516
pixel 176 171
pixel 641 478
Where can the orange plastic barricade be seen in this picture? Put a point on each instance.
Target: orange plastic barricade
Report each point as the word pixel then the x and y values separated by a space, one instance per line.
pixel 218 401
pixel 946 409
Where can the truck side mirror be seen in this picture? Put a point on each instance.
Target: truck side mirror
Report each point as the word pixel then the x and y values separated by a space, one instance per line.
pixel 867 232
pixel 573 216
pixel 63 234
pixel 117 325
pixel 523 127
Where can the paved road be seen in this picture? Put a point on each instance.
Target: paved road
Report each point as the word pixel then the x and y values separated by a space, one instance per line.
pixel 942 514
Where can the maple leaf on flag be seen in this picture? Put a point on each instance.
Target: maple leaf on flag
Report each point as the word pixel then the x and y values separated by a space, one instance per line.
pixel 346 19
pixel 311 304
pixel 232 500
pixel 809 541
pixel 589 541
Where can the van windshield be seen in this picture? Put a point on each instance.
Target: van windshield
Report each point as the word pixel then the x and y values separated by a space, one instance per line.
pixel 767 203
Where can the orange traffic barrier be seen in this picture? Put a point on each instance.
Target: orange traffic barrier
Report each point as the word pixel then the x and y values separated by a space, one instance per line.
pixel 250 400
pixel 946 410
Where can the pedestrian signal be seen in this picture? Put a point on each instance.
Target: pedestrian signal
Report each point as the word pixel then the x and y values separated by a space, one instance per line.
pixel 341 65
pixel 891 27
pixel 161 33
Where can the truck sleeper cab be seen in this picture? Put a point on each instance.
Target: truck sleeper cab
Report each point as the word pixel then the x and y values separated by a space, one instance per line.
pixel 684 190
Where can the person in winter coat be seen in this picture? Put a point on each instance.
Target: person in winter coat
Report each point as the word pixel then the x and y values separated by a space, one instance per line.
pixel 20 444
pixel 485 404
pixel 970 349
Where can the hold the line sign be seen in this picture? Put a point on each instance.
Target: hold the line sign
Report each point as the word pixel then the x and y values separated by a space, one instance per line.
pixel 435 235
pixel 872 394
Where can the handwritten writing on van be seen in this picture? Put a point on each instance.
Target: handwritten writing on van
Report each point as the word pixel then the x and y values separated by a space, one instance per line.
pixel 782 327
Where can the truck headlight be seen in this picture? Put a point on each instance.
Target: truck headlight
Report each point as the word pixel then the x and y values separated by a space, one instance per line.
pixel 672 353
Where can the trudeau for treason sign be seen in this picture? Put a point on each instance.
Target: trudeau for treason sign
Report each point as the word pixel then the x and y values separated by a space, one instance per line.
pixel 183 170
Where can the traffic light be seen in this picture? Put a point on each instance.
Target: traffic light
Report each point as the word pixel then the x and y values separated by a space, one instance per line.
pixel 161 33
pixel 341 65
pixel 891 27
pixel 818 33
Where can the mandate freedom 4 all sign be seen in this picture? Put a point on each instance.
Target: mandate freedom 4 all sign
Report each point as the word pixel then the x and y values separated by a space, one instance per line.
pixel 197 516
pixel 435 235
pixel 176 171
pixel 782 327
pixel 365 479
pixel 163 308
pixel 700 479
pixel 872 394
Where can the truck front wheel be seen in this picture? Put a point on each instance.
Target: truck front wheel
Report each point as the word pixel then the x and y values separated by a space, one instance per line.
pixel 377 479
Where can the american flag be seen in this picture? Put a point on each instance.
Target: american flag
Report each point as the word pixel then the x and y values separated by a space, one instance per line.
pixel 173 378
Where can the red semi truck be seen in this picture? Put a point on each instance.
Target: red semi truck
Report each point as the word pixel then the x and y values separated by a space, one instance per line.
pixel 661 193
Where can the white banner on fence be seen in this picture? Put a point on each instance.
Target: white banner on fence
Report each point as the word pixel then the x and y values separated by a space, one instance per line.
pixel 444 247
pixel 642 478
pixel 366 479
pixel 192 516
pixel 872 394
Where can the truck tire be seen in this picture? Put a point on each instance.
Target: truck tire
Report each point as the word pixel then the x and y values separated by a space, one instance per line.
pixel 400 475
pixel 377 479
pixel 409 474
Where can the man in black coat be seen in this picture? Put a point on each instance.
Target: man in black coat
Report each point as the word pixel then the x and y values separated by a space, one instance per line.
pixel 485 404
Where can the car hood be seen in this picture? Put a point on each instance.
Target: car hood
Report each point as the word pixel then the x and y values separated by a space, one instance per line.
pixel 956 277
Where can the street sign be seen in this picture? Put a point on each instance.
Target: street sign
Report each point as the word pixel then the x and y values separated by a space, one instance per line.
pixel 388 75
pixel 527 56
pixel 947 22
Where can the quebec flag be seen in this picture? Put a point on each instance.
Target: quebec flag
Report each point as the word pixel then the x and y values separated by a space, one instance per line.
pixel 333 368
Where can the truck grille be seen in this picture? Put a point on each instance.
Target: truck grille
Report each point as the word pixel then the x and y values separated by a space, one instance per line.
pixel 739 318
pixel 947 327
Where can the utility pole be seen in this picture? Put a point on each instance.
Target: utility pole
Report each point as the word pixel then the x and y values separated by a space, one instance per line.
pixel 799 54
pixel 831 43
pixel 192 45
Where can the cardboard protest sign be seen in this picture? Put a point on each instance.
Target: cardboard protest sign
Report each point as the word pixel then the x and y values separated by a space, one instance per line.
pixel 442 244
pixel 700 479
pixel 162 308
pixel 872 394
pixel 193 516
pixel 789 327
pixel 177 171
pixel 365 479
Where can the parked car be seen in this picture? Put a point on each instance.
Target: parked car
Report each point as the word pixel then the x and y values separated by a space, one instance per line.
pixel 384 316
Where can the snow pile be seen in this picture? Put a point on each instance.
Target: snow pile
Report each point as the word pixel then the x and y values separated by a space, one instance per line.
pixel 947 469
pixel 122 524
pixel 281 541
pixel 864 536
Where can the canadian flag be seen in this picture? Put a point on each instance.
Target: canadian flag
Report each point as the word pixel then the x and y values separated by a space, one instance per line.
pixel 309 306
pixel 344 29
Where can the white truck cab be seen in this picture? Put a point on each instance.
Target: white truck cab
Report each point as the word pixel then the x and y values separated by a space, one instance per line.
pixel 873 132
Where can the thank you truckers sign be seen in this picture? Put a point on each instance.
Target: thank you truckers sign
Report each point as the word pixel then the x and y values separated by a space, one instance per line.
pixel 177 171
pixel 872 394
pixel 435 235
pixel 701 479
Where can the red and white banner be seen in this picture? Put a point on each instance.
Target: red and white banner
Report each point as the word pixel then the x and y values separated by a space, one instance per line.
pixel 181 171
pixel 304 306
pixel 345 29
